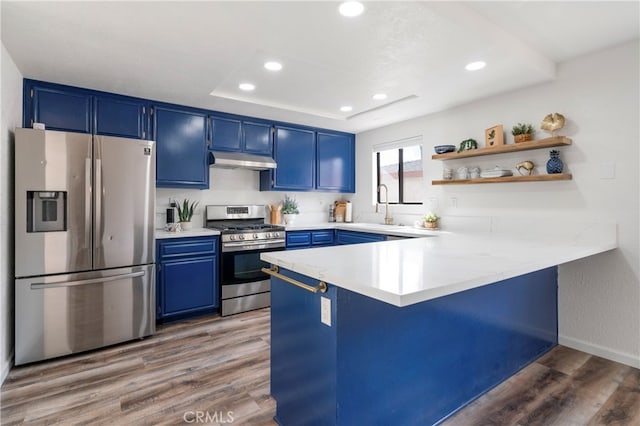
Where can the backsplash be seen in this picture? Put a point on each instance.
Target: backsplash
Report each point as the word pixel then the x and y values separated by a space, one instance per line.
pixel 241 186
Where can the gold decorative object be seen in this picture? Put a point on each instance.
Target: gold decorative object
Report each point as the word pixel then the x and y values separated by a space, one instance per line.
pixel 552 122
pixel 527 165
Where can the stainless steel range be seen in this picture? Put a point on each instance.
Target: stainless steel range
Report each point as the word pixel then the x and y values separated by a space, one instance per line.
pixel 244 235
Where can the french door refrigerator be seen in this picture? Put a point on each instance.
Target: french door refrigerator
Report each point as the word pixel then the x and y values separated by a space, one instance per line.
pixel 84 242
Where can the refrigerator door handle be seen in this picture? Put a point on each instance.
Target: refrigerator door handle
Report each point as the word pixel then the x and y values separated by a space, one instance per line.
pixel 40 286
pixel 87 203
pixel 98 190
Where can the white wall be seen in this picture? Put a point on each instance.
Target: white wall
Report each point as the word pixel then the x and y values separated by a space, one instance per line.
pixel 240 186
pixel 11 91
pixel 599 297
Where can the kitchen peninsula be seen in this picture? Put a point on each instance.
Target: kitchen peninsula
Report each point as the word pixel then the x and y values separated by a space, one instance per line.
pixel 409 331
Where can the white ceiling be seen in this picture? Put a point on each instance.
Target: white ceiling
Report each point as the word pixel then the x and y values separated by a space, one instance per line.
pixel 415 52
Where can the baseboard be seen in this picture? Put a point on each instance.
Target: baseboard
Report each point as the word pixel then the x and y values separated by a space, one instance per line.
pixel 601 351
pixel 6 368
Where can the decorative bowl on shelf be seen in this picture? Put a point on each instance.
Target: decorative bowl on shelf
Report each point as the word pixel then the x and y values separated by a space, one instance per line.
pixel 441 149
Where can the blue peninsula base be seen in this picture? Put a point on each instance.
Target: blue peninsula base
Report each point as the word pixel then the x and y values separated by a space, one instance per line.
pixel 378 364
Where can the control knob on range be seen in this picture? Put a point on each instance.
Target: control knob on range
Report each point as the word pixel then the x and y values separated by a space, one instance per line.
pixel 232 237
pixel 255 236
pixel 241 236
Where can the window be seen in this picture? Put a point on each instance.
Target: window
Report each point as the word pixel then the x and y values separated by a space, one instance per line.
pixel 400 169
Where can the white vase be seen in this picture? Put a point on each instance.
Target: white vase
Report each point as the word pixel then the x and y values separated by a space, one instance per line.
pixel 289 218
pixel 186 226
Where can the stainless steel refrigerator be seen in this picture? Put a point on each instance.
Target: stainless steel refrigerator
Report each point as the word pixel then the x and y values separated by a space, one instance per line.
pixel 84 242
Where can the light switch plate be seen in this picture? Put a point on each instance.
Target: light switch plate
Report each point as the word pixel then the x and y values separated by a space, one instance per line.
pixel 325 311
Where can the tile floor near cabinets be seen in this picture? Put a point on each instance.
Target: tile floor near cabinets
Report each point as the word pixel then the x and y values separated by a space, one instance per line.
pixel 220 367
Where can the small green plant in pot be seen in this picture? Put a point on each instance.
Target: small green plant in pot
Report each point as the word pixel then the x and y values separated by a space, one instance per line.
pixel 522 132
pixel 289 209
pixel 430 220
pixel 185 213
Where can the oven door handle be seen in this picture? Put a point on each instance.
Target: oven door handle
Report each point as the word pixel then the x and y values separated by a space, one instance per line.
pixel 248 244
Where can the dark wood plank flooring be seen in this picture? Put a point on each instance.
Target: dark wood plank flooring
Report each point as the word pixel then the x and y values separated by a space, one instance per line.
pixel 213 366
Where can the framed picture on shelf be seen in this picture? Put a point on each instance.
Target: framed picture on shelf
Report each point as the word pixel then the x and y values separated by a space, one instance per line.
pixel 494 136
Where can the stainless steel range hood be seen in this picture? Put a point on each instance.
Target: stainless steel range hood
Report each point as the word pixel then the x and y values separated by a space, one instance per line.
pixel 239 160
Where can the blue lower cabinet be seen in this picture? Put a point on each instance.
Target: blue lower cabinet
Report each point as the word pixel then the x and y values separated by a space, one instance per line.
pixel 308 239
pixel 352 237
pixel 187 278
pixel 378 364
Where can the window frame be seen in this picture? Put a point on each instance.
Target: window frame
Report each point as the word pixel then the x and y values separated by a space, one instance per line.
pixel 400 176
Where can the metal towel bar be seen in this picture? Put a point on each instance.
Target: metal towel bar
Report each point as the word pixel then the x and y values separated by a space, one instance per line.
pixel 321 287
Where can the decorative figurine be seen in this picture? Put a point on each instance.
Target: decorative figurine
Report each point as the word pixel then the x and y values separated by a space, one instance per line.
pixel 527 165
pixel 468 144
pixel 552 122
pixel 554 165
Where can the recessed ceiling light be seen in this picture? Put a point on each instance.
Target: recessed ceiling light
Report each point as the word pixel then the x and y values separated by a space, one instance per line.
pixel 246 87
pixel 474 66
pixel 273 66
pixel 379 96
pixel 346 108
pixel 351 8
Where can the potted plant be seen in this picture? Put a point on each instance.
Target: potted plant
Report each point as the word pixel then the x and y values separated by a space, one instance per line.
pixel 185 213
pixel 522 132
pixel 430 221
pixel 289 209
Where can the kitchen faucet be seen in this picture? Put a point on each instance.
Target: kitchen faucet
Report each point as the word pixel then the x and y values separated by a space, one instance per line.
pixel 388 220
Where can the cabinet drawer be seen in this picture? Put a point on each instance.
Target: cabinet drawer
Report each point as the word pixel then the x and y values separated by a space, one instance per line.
pixel 322 237
pixel 188 247
pixel 298 239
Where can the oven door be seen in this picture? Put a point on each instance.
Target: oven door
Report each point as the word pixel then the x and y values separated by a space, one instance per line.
pixel 240 267
pixel 244 287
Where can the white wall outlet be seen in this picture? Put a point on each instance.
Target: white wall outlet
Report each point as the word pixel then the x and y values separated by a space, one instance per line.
pixel 453 202
pixel 325 311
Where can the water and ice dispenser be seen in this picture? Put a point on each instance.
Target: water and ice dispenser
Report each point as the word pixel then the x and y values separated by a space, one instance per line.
pixel 46 211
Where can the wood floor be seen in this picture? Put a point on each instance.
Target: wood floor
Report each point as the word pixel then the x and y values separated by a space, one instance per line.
pixel 213 366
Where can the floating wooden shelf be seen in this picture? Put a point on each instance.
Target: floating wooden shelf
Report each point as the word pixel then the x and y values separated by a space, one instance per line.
pixel 515 147
pixel 505 179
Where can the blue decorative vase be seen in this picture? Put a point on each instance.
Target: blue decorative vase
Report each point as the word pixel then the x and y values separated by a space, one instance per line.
pixel 554 165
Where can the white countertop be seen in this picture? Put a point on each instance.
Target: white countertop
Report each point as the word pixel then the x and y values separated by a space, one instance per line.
pixel 404 272
pixel 374 228
pixel 195 232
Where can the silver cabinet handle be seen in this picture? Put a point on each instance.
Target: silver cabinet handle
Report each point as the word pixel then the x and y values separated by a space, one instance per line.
pixel 40 286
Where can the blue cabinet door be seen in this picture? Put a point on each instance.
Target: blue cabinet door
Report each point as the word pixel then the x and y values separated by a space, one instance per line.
pixel 351 237
pixel 256 138
pixel 187 277
pixel 181 148
pixel 61 109
pixel 335 162
pixel 120 116
pixel 187 285
pixel 295 152
pixel 225 133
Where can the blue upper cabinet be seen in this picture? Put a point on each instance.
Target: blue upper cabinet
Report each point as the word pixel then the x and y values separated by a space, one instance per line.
pixel 256 138
pixel 120 116
pixel 181 153
pixel 311 161
pixel 294 150
pixel 335 162
pixel 58 107
pixel 225 133
pixel 230 133
pixel 74 109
